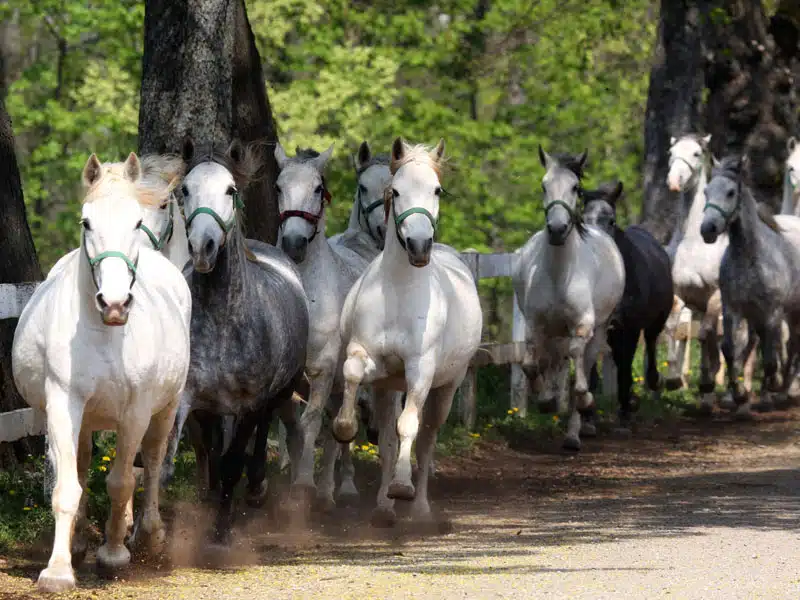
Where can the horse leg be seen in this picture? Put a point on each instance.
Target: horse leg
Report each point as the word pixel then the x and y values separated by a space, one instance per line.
pixel 709 365
pixel 366 404
pixel 231 467
pixel 154 447
pixel 386 411
pixel 623 343
pixel 770 349
pixel 210 426
pixel 578 398
pixel 345 425
pixel 168 468
pixel 331 450
pixel 434 415
pixel 610 376
pixel 310 425
pixel 730 323
pixel 64 417
pixel 419 376
pixel 80 542
pixel 120 483
pixel 347 494
pixel 257 466
pixel 676 348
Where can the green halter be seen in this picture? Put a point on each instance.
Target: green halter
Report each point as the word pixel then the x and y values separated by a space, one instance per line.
pixel 95 261
pixel 226 226
pixel 166 235
pixel 414 210
pixel 573 218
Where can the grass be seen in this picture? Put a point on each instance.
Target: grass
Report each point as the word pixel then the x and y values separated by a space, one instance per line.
pixel 25 515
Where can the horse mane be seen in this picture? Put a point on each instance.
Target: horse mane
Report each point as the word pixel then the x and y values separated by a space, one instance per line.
pixel 571 162
pixel 160 175
pixel 732 167
pixel 419 153
pixel 377 159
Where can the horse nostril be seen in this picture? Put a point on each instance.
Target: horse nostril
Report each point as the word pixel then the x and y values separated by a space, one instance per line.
pixel 101 302
pixel 128 301
pixel 189 244
pixel 209 247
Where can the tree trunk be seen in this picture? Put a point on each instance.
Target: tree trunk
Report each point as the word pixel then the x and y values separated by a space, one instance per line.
pixel 674 103
pixel 201 74
pixel 18 264
pixel 751 100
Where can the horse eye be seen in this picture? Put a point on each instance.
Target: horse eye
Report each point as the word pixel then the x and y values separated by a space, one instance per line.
pixel 138 225
pixel 86 225
pixel 231 191
pixel 544 189
pixel 362 188
pixel 575 189
pixel 277 188
pixel 318 189
pixel 730 194
pixel 697 154
pixel 395 193
pixel 438 191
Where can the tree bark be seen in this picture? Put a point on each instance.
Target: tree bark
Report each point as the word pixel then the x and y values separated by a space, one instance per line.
pixel 18 264
pixel 751 101
pixel 674 103
pixel 201 75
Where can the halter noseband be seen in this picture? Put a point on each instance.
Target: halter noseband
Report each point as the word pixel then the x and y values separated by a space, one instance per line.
pixel 307 216
pixel 573 217
pixel 414 210
pixel 366 212
pixel 728 216
pixel 94 262
pixel 166 235
pixel 226 226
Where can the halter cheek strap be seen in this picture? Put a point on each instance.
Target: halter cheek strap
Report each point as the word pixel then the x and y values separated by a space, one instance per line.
pixel 166 235
pixel 307 216
pixel 95 261
pixel 727 216
pixel 238 204
pixel 572 215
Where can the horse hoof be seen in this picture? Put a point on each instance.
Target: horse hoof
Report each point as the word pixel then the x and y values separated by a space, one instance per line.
pixel 324 504
pixel 571 443
pixel 401 491
pixel 113 558
pixel 56 579
pixel 383 518
pixel 743 413
pixel 588 430
pixel 659 384
pixel 344 430
pixel 727 403
pixel 257 497
pixel 673 383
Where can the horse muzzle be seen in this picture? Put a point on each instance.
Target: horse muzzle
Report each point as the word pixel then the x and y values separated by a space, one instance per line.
pixel 419 251
pixel 557 233
pixel 205 257
pixel 114 314
pixel 295 247
pixel 709 232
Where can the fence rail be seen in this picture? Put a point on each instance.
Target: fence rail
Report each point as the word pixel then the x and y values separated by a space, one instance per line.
pixel 25 422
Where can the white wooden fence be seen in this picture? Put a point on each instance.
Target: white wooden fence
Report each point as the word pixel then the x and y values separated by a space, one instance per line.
pixel 25 422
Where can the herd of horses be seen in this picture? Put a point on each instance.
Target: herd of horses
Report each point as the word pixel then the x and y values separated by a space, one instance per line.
pixel 167 317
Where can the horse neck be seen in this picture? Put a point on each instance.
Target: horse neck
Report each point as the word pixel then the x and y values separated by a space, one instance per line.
pixel 177 249
pixel 744 229
pixel 694 218
pixel 229 275
pixel 319 249
pixel 561 259
pixel 354 224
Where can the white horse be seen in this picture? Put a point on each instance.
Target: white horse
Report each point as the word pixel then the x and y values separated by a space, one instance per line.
pixel 695 264
pixel 791 181
pixel 373 177
pixel 410 323
pixel 568 280
pixel 328 272
pixel 89 351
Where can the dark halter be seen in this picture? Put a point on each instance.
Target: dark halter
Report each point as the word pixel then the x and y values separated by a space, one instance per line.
pixel 307 216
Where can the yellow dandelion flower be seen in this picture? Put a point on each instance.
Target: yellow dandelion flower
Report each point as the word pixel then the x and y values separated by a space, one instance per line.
pixel 665 364
pixel 35 506
pixel 12 492
pixel 689 372
pixel 475 435
pixel 556 419
pixel 741 378
pixel 26 508
pixel 515 409
pixel 113 453
pixel 174 460
pixel 489 426
pixel 372 451
pixel 600 412
pixel 511 412
pixel 141 489
pixel 365 447
pixel 106 459
pixel 102 468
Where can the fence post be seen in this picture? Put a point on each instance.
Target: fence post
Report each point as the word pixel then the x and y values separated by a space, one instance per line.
pixel 468 406
pixel 519 383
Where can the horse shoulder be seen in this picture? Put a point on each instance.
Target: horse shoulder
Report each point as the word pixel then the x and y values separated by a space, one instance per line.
pixel 159 273
pixel 276 262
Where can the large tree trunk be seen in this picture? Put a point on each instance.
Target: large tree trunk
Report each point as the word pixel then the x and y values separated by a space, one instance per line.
pixel 751 102
pixel 18 263
pixel 201 74
pixel 746 64
pixel 674 104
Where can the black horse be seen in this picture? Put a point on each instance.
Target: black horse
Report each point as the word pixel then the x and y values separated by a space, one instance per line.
pixel 646 302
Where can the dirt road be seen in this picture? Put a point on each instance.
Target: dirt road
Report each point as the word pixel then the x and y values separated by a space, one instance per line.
pixel 690 510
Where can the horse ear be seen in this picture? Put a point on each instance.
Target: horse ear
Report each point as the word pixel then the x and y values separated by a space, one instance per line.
pixel 92 171
pixel 323 158
pixel 133 168
pixel 398 149
pixel 791 143
pixel 280 156
pixel 672 141
pixel 706 139
pixel 438 152
pixel 544 157
pixel 187 148
pixel 236 151
pixel 582 158
pixel 364 154
pixel 715 163
pixel 616 193
pixel 744 162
